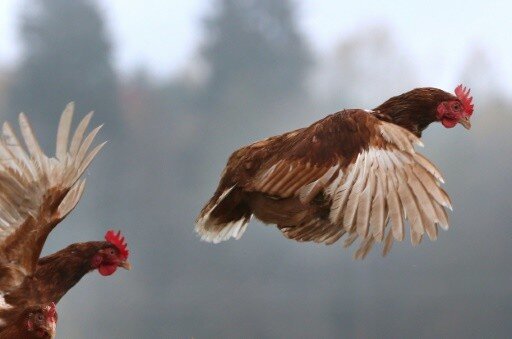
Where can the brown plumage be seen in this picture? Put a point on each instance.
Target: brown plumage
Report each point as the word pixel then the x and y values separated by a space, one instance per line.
pixel 352 172
pixel 57 273
pixel 36 193
pixel 34 322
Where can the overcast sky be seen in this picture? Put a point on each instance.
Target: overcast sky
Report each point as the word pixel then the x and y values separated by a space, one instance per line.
pixel 438 35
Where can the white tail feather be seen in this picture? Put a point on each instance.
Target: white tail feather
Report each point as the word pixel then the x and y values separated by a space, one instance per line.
pixel 211 231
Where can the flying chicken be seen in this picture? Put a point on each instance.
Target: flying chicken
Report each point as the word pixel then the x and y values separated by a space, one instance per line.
pixel 354 173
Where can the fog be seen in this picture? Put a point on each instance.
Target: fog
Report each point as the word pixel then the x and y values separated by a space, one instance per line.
pixel 255 72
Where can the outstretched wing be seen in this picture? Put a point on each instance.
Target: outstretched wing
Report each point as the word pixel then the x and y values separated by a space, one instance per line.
pixel 368 172
pixel 389 182
pixel 37 191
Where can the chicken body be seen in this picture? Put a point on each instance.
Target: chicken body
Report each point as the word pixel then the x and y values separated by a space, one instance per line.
pixel 34 322
pixel 55 275
pixel 353 172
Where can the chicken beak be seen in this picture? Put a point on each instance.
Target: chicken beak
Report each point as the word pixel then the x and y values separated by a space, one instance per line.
pixel 126 265
pixel 464 121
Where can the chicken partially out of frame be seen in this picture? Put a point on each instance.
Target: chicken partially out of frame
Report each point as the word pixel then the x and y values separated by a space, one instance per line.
pixel 353 173
pixel 34 322
pixel 36 193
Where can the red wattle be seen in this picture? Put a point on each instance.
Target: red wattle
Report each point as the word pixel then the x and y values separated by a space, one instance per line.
pixel 107 269
pixel 449 123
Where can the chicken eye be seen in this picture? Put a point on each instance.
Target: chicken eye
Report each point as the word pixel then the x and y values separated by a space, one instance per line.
pixel 40 317
pixel 456 106
pixel 111 252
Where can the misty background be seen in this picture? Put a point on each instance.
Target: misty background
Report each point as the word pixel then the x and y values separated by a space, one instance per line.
pixel 178 98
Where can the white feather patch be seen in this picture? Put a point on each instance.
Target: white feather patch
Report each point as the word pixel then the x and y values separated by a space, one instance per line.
pixel 210 231
pixel 3 304
pixel 395 184
pixel 29 174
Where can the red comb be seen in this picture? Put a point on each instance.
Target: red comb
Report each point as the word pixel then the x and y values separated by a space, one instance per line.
pixel 463 94
pixel 118 241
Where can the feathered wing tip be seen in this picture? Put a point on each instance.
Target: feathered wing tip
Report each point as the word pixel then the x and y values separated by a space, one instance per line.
pixel 385 190
pixel 72 198
pixel 27 174
pixel 215 233
pixel 73 157
pixel 69 163
pixel 211 230
pixel 66 119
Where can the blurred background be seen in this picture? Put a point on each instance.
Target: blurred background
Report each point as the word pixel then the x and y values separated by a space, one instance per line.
pixel 180 85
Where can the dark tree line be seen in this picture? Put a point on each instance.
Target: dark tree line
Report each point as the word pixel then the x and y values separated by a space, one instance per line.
pixel 66 56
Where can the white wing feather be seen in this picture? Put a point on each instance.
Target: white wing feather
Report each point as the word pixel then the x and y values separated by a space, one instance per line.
pixel 389 184
pixel 27 175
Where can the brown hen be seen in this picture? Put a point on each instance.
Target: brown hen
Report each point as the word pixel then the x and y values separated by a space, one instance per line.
pixel 352 173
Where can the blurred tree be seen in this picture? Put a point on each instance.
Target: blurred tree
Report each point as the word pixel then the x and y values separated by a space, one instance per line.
pixel 366 67
pixel 481 75
pixel 66 58
pixel 5 78
pixel 255 61
pixel 256 56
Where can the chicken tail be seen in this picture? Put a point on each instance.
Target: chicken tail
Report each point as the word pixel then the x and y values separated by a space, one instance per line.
pixel 225 216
